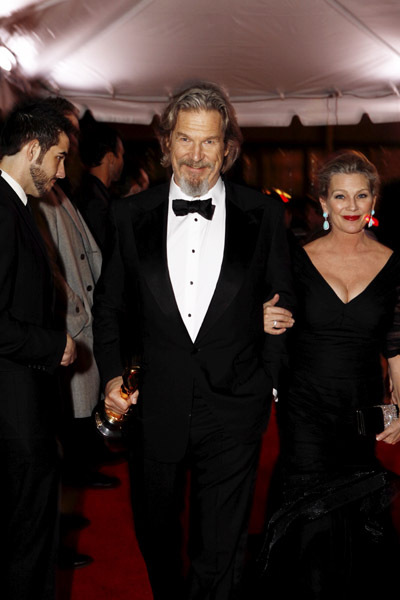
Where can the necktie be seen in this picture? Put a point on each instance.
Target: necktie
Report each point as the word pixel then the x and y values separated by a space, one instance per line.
pixel 203 207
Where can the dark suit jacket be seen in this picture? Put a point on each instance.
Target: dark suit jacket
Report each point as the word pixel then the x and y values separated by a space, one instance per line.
pixel 30 349
pixel 232 360
pixel 93 201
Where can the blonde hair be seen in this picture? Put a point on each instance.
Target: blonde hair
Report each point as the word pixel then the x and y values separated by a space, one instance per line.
pixel 347 162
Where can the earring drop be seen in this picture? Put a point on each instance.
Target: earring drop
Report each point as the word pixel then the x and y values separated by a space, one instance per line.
pixel 326 222
pixel 371 220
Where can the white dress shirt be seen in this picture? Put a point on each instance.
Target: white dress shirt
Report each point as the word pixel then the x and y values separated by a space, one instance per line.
pixel 195 248
pixel 15 186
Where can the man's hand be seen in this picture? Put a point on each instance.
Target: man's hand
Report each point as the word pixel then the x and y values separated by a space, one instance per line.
pixel 276 319
pixel 113 400
pixel 69 352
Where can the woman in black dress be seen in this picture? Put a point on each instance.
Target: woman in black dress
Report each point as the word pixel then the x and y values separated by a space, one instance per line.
pixel 331 536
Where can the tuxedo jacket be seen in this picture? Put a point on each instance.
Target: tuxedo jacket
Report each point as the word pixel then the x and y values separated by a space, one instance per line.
pixel 76 263
pixel 232 362
pixel 30 347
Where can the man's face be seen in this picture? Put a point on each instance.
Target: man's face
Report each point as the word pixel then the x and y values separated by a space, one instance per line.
pixel 118 163
pixel 45 173
pixel 74 135
pixel 197 150
pixel 144 180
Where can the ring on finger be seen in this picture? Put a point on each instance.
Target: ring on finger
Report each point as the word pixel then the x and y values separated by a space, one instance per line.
pixel 274 324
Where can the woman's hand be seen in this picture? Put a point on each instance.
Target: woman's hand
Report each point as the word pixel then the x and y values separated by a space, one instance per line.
pixel 276 319
pixel 390 435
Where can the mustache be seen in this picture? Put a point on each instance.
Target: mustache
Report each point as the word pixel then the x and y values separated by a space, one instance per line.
pixel 195 165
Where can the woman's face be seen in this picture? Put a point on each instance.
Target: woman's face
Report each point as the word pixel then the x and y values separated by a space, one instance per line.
pixel 349 202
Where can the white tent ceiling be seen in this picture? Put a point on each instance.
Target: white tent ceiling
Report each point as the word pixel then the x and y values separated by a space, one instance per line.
pixel 327 61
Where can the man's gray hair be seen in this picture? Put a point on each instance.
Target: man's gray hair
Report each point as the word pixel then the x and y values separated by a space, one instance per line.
pixel 201 96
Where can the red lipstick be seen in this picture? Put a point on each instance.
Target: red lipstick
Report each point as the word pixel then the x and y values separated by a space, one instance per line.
pixel 351 217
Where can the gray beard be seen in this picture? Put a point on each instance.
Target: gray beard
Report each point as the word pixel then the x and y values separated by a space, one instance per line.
pixel 194 188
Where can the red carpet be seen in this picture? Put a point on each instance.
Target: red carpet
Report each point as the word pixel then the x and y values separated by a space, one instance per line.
pixel 118 571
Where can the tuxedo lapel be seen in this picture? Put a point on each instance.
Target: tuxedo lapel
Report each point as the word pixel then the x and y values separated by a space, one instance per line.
pixel 25 214
pixel 241 236
pixel 150 232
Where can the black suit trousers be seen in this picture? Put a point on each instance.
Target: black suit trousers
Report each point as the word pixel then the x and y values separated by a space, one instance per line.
pixel 30 487
pixel 222 475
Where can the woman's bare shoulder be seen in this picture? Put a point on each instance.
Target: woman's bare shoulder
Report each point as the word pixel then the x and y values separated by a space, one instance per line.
pixel 380 249
pixel 315 247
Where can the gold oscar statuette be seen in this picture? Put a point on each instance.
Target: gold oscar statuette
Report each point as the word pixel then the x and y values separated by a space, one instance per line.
pixel 108 423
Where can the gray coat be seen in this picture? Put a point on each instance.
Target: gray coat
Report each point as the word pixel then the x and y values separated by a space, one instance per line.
pixel 76 262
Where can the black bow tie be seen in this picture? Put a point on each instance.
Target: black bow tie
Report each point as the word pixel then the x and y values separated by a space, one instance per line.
pixel 203 207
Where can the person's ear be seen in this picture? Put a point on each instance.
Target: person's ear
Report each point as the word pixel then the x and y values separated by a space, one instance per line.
pixel 167 142
pixel 33 149
pixel 110 158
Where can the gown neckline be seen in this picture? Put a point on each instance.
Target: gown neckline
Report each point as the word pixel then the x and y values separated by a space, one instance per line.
pixel 379 273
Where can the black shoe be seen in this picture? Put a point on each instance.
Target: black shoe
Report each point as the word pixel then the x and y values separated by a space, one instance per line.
pixel 96 480
pixel 73 522
pixel 68 558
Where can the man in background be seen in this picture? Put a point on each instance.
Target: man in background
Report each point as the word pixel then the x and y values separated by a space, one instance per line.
pixel 34 144
pixel 76 262
pixel 134 178
pixel 102 153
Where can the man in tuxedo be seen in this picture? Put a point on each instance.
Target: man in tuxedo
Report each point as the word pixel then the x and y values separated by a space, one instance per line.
pixel 34 144
pixel 189 266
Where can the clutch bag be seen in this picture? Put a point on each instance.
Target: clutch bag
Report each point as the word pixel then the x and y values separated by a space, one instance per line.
pixel 374 419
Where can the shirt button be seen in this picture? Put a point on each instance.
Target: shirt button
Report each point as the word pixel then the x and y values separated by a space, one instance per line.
pixel 191 283
pixel 196 220
pixel 189 315
pixel 82 257
pixel 193 251
pixel 77 309
pixel 89 288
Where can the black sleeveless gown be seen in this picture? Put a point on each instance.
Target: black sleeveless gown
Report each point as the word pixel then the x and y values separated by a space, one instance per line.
pixel 325 539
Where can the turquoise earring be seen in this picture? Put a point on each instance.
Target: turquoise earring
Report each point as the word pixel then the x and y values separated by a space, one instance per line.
pixel 326 222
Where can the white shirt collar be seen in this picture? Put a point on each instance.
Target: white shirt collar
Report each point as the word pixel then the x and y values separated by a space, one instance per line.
pixel 15 186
